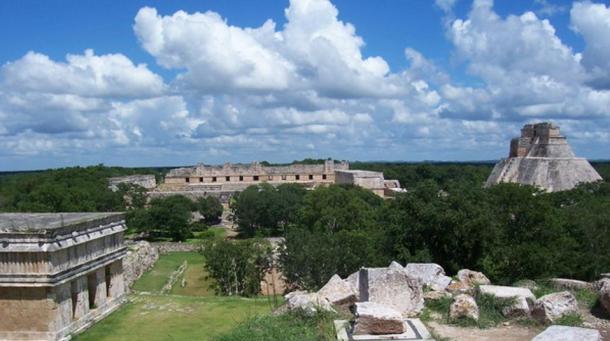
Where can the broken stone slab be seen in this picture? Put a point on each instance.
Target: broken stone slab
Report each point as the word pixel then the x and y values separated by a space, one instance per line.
pixel 338 291
pixel 549 308
pixel 569 284
pixel 374 318
pixel 354 281
pixel 415 330
pixel 393 288
pixel 309 303
pixel 432 275
pixel 564 333
pixel 395 266
pixel 457 288
pixel 523 298
pixel 605 275
pixel 436 295
pixel 472 278
pixel 464 306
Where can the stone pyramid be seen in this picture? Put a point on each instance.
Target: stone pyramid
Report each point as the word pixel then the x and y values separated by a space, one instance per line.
pixel 542 157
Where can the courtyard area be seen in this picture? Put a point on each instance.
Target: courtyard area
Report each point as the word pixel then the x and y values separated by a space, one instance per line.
pixel 189 312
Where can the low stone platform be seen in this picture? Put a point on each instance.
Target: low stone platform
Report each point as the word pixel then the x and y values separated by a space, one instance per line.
pixel 416 330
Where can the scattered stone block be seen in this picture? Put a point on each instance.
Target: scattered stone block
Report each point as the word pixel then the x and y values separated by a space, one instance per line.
pixel 432 275
pixel 354 281
pixel 338 291
pixel 393 288
pixel 373 318
pixel 415 330
pixel 436 295
pixel 569 284
pixel 395 266
pixel 472 278
pixel 564 333
pixel 464 306
pixel 549 308
pixel 523 297
pixel 457 288
pixel 310 303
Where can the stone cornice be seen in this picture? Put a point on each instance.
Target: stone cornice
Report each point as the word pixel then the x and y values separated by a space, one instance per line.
pixel 53 279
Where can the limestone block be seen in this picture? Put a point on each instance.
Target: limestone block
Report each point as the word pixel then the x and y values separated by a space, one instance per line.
pixel 523 297
pixel 472 278
pixel 63 306
pixel 569 284
pixel 436 295
pixel 549 308
pixel 375 319
pixel 432 275
pixel 117 282
pixel 395 266
pixel 392 288
pixel 564 333
pixel 457 288
pixel 99 287
pixel 464 306
pixel 80 297
pixel 309 303
pixel 354 281
pixel 338 291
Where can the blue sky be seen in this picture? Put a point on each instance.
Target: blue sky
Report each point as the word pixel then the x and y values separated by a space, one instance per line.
pixel 143 83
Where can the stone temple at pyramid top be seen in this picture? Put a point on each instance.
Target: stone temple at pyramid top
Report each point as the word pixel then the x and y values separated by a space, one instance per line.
pixel 542 157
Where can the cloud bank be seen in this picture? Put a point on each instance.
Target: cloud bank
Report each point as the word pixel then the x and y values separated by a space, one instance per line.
pixel 307 89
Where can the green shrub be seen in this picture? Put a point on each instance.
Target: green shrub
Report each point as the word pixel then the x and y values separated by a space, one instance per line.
pixel 572 320
pixel 490 311
pixel 199 226
pixel 210 208
pixel 544 287
pixel 587 297
pixel 441 305
pixel 237 267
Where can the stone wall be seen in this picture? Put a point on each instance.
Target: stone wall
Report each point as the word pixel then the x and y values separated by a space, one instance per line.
pixel 145 180
pixel 24 309
pixel 165 247
pixel 141 256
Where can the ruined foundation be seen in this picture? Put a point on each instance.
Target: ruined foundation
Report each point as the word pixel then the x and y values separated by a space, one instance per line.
pixel 59 273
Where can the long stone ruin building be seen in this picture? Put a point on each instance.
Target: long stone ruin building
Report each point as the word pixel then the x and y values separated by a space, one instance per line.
pixel 59 272
pixel 542 157
pixel 223 181
pixel 147 181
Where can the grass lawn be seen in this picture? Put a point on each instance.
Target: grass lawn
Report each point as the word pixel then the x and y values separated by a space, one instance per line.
pixel 189 313
pixel 210 233
pixel 153 280
pixel 157 317
pixel 196 282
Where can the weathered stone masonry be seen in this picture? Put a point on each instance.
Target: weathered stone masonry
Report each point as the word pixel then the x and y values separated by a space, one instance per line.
pixel 59 273
pixel 542 157
pixel 223 181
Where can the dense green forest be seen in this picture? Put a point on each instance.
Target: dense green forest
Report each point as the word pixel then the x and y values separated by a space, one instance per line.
pixel 73 189
pixel 508 231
